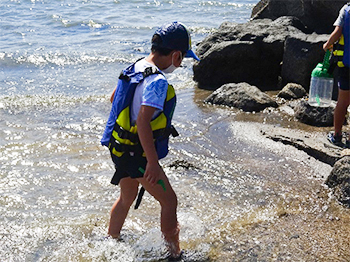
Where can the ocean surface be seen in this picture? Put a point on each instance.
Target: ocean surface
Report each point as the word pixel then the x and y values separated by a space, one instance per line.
pixel 241 196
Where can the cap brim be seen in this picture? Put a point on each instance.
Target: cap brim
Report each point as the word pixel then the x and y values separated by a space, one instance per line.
pixel 190 53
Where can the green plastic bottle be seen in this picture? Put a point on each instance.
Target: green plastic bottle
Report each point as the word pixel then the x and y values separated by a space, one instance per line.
pixel 321 85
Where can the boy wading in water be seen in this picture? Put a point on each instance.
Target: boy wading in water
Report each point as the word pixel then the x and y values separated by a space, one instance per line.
pixel 138 130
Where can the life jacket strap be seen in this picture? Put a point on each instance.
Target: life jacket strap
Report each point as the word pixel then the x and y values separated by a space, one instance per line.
pixel 134 138
pixel 165 132
pixel 136 149
pixel 174 132
pixel 125 134
pixel 139 198
pixel 147 72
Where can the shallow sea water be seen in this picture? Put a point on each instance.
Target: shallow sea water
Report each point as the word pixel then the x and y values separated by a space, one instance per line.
pixel 241 196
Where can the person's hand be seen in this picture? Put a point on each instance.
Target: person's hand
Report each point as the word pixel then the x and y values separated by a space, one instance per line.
pixel 326 46
pixel 153 173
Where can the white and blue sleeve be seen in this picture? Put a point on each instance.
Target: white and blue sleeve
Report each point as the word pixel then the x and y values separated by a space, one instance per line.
pixel 154 93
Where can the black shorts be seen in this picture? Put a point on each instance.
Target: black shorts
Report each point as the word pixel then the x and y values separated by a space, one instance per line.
pixel 341 78
pixel 128 166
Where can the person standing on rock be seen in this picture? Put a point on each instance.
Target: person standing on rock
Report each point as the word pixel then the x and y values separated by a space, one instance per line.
pixel 138 129
pixel 341 52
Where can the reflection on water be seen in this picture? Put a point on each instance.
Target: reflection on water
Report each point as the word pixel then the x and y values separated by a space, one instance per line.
pixel 242 197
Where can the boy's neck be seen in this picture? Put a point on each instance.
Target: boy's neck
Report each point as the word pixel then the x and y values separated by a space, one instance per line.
pixel 161 62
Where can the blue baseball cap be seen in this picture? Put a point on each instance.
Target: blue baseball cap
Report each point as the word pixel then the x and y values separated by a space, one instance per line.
pixel 175 36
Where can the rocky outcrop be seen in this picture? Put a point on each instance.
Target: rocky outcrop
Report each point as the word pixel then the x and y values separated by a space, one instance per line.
pixel 318 16
pixel 301 54
pixel 314 116
pixel 250 98
pixel 292 91
pixel 243 96
pixel 281 45
pixel 339 180
pixel 250 52
pixel 315 144
pixel 265 53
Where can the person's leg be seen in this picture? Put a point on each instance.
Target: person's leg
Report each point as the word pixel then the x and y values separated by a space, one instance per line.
pixel 120 209
pixel 168 203
pixel 341 110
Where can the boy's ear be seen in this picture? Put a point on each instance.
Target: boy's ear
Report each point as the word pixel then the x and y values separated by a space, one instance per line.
pixel 177 56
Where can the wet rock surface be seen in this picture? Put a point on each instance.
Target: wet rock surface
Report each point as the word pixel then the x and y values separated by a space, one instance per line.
pixel 314 116
pixel 314 144
pixel 317 146
pixel 251 99
pixel 339 180
pixel 243 96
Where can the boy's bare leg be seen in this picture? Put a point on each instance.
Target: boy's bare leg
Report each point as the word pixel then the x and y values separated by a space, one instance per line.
pixel 168 203
pixel 120 208
pixel 341 110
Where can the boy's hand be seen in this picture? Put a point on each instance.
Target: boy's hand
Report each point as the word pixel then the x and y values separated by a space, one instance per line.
pixel 153 173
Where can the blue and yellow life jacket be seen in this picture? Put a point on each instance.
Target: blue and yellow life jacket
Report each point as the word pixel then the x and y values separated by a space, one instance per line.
pixel 120 133
pixel 338 52
pixel 342 48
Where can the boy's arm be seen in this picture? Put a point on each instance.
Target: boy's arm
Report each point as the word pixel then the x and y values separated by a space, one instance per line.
pixel 144 130
pixel 336 34
pixel 112 96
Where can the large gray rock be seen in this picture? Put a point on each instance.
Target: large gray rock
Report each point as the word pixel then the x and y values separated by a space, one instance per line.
pixel 302 53
pixel 339 180
pixel 314 116
pixel 243 96
pixel 317 15
pixel 292 91
pixel 250 52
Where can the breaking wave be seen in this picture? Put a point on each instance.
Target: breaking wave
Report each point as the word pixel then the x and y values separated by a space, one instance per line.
pixel 58 59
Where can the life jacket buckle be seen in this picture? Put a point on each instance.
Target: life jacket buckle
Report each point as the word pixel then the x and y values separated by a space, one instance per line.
pixel 122 133
pixel 123 76
pixel 173 131
pixel 150 71
pixel 125 134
